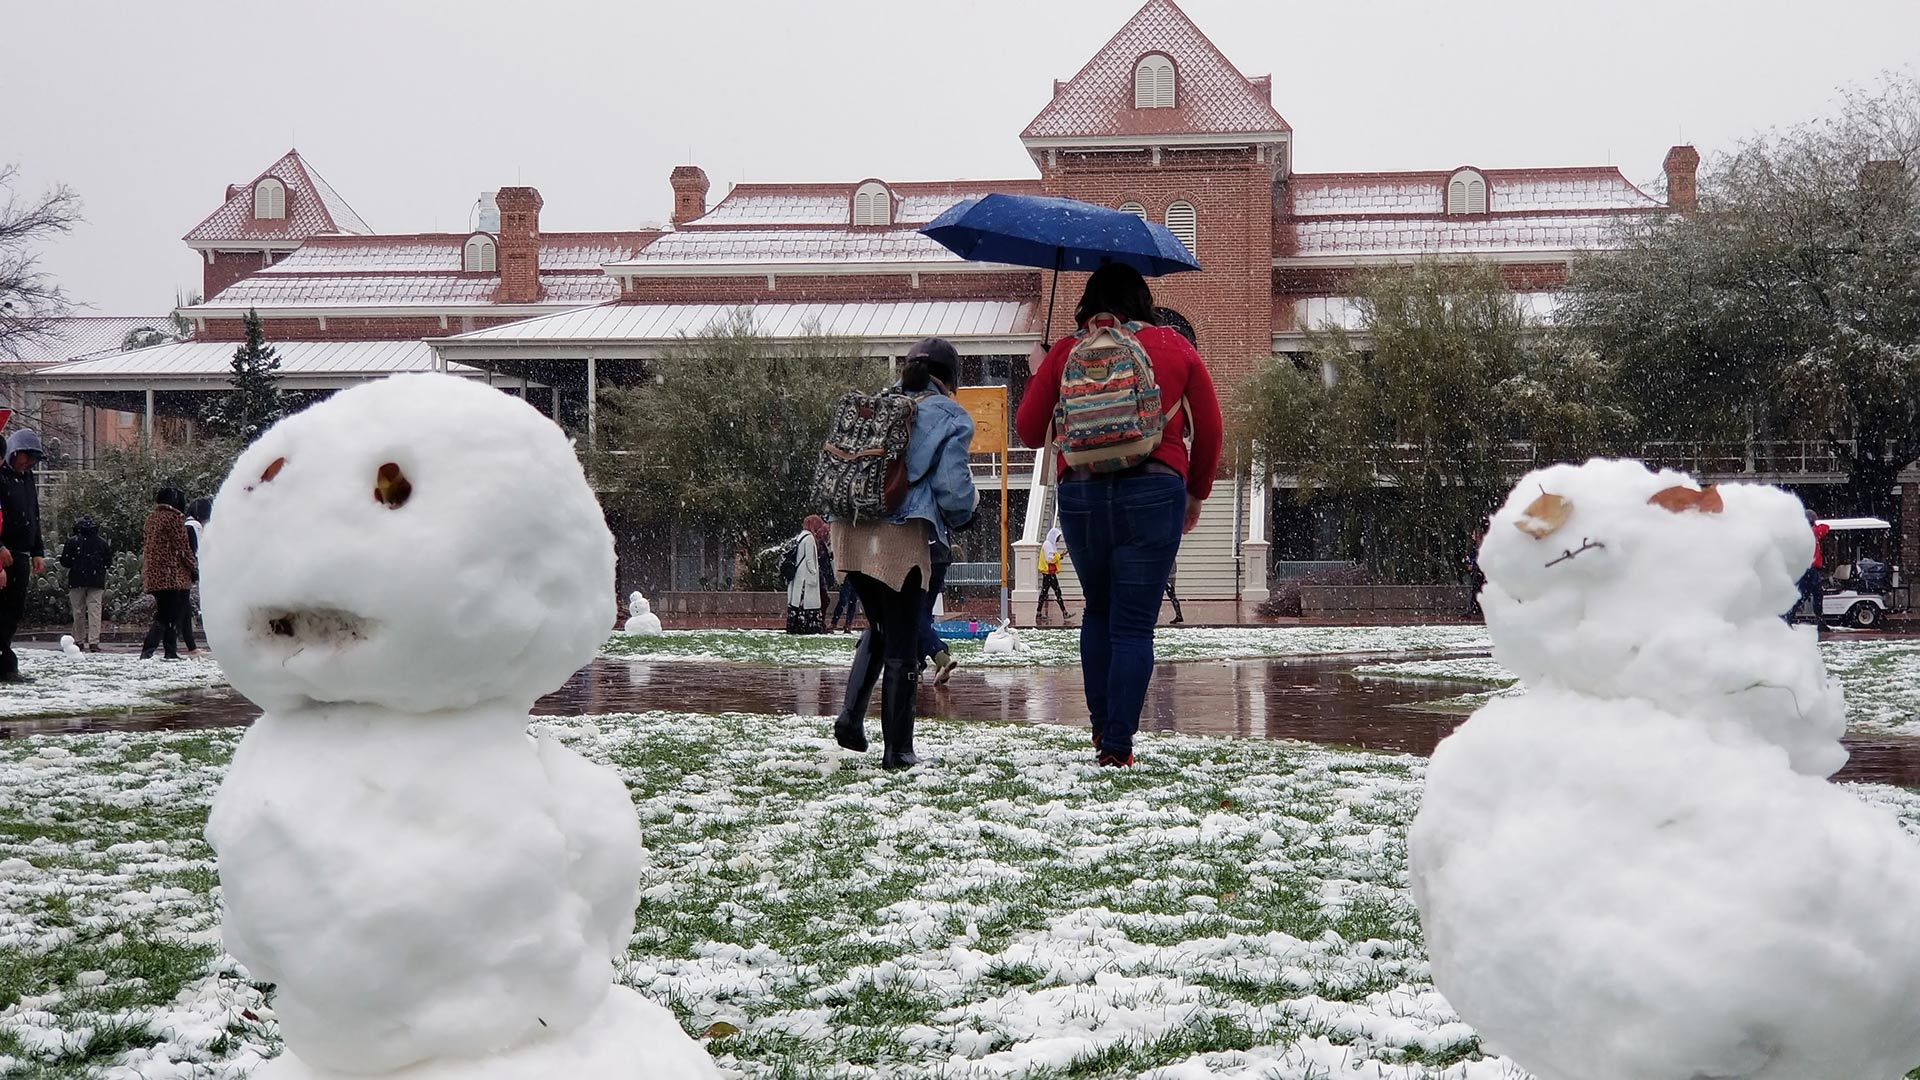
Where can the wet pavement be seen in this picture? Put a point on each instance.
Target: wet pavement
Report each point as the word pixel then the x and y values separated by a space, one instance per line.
pixel 1317 700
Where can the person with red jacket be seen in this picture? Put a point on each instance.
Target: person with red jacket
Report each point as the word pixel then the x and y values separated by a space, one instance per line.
pixel 1123 528
pixel 1813 582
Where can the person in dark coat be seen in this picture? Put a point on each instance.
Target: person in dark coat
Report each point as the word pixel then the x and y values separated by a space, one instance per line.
pixel 167 569
pixel 22 552
pixel 87 555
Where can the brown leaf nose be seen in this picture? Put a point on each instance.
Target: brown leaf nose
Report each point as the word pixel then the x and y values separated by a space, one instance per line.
pixel 391 488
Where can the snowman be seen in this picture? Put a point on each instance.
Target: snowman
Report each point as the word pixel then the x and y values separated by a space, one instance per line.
pixel 401 571
pixel 68 647
pixel 1638 870
pixel 1004 640
pixel 640 616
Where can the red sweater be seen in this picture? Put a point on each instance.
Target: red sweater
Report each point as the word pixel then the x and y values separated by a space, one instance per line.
pixel 1178 371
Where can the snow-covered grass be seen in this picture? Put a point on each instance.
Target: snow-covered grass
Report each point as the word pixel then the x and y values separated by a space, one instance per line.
pixel 1882 680
pixel 1048 647
pixel 101 683
pixel 1229 908
pixel 1477 670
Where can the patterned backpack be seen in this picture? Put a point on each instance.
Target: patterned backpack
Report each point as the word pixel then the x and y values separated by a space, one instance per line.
pixel 862 469
pixel 1108 417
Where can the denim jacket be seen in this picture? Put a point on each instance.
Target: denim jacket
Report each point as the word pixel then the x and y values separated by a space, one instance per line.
pixel 941 490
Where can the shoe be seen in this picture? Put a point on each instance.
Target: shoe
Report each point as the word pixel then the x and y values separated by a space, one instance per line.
pixel 850 727
pixel 94 647
pixel 1110 760
pixel 898 686
pixel 943 665
pixel 1177 620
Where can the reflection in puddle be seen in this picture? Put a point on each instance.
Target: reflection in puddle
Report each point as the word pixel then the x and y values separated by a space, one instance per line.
pixel 1314 699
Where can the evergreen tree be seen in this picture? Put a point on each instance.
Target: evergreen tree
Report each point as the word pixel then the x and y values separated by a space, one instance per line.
pixel 255 402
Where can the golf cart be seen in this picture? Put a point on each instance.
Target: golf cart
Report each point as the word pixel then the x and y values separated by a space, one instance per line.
pixel 1861 590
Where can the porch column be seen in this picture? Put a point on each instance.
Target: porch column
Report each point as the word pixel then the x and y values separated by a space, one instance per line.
pixel 1026 550
pixel 1255 548
pixel 146 422
pixel 556 403
pixel 593 397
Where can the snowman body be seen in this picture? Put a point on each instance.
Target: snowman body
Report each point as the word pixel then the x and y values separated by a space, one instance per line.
pixel 640 616
pixel 1638 869
pixel 1004 641
pixel 433 892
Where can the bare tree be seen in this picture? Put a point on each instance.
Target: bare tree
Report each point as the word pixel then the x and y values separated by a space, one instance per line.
pixel 30 301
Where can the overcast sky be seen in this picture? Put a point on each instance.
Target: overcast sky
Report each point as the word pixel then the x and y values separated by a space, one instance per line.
pixel 411 109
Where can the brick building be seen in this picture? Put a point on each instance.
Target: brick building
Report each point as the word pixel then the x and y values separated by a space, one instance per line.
pixel 1159 122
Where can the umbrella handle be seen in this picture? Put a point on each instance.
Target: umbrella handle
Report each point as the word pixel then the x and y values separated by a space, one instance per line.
pixel 1053 293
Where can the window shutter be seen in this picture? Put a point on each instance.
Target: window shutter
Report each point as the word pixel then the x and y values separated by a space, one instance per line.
pixel 269 200
pixel 1135 209
pixel 1457 197
pixel 1145 85
pixel 487 263
pixel 1184 223
pixel 1164 95
pixel 1477 196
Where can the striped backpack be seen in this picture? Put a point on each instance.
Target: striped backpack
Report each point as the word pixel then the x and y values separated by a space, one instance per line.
pixel 1108 417
pixel 862 468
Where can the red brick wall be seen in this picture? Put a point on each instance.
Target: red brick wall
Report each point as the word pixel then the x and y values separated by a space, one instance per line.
pixel 355 328
pixel 1230 300
pixel 519 245
pixel 228 267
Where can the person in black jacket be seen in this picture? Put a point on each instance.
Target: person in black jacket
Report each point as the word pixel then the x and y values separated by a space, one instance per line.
pixel 21 549
pixel 86 555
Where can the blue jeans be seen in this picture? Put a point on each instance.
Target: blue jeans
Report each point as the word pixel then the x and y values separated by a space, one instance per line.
pixel 1123 535
pixel 931 643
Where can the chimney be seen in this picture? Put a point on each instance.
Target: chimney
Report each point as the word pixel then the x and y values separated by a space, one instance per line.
pixel 518 244
pixel 1682 167
pixel 689 193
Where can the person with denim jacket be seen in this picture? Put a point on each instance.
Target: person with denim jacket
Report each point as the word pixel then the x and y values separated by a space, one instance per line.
pixel 890 561
pixel 1123 528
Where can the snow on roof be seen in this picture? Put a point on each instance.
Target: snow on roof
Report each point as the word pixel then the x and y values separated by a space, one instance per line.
pixel 280 291
pixel 1211 95
pixel 81 335
pixel 908 321
pixel 1511 191
pixel 700 247
pixel 1345 312
pixel 443 252
pixel 1336 237
pixel 313 208
pixel 214 360
pixel 830 204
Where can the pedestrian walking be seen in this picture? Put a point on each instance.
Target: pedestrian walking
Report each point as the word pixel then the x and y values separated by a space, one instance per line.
pixel 22 552
pixel 1119 399
pixel 891 559
pixel 199 512
pixel 847 604
pixel 88 556
pixel 167 568
pixel 1052 551
pixel 1174 597
pixel 807 559
pixel 1813 583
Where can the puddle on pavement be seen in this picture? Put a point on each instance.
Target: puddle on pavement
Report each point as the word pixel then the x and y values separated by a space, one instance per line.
pixel 1316 700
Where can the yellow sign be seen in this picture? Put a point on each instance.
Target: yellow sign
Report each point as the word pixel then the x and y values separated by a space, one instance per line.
pixel 988 407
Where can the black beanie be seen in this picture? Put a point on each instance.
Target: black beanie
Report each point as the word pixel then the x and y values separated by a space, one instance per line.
pixel 940 357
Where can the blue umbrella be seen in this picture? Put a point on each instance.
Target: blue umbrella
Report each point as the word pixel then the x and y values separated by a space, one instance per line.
pixel 1065 234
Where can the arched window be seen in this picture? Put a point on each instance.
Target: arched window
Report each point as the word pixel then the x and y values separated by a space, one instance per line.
pixel 479 258
pixel 269 200
pixel 872 204
pixel 1153 83
pixel 1467 192
pixel 1135 209
pixel 1185 224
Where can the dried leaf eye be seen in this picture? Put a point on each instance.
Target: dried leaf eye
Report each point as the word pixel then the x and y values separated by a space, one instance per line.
pixel 391 488
pixel 273 470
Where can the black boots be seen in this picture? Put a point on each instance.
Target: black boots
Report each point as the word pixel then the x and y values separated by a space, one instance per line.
pixel 849 729
pixel 897 690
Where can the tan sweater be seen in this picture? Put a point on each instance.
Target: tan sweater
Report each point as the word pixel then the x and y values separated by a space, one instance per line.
pixel 884 551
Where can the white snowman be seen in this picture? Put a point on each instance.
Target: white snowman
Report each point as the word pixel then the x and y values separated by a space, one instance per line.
pixel 640 616
pixel 1638 868
pixel 401 571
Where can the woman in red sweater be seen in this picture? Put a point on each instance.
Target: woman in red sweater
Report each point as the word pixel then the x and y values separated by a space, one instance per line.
pixel 1123 529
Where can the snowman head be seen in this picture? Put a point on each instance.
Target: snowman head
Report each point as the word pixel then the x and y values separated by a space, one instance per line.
pixel 420 543
pixel 1613 580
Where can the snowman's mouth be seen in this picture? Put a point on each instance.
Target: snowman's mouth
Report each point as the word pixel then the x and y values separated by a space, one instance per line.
pixel 298 628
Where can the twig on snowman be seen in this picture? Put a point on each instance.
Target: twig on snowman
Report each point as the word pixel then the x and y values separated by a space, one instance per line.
pixel 1585 546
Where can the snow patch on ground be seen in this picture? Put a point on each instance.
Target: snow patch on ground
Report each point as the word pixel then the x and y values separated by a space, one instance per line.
pixel 101 682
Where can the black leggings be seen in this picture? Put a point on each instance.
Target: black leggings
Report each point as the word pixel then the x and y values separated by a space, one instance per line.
pixel 894 614
pixel 169 606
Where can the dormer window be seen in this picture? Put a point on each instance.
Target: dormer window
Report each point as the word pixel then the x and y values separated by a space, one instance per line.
pixel 479 256
pixel 1467 192
pixel 872 204
pixel 269 200
pixel 1135 209
pixel 1153 82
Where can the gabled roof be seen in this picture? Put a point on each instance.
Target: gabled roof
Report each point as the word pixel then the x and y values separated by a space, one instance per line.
pixel 1211 96
pixel 915 203
pixel 313 208
pixel 80 335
